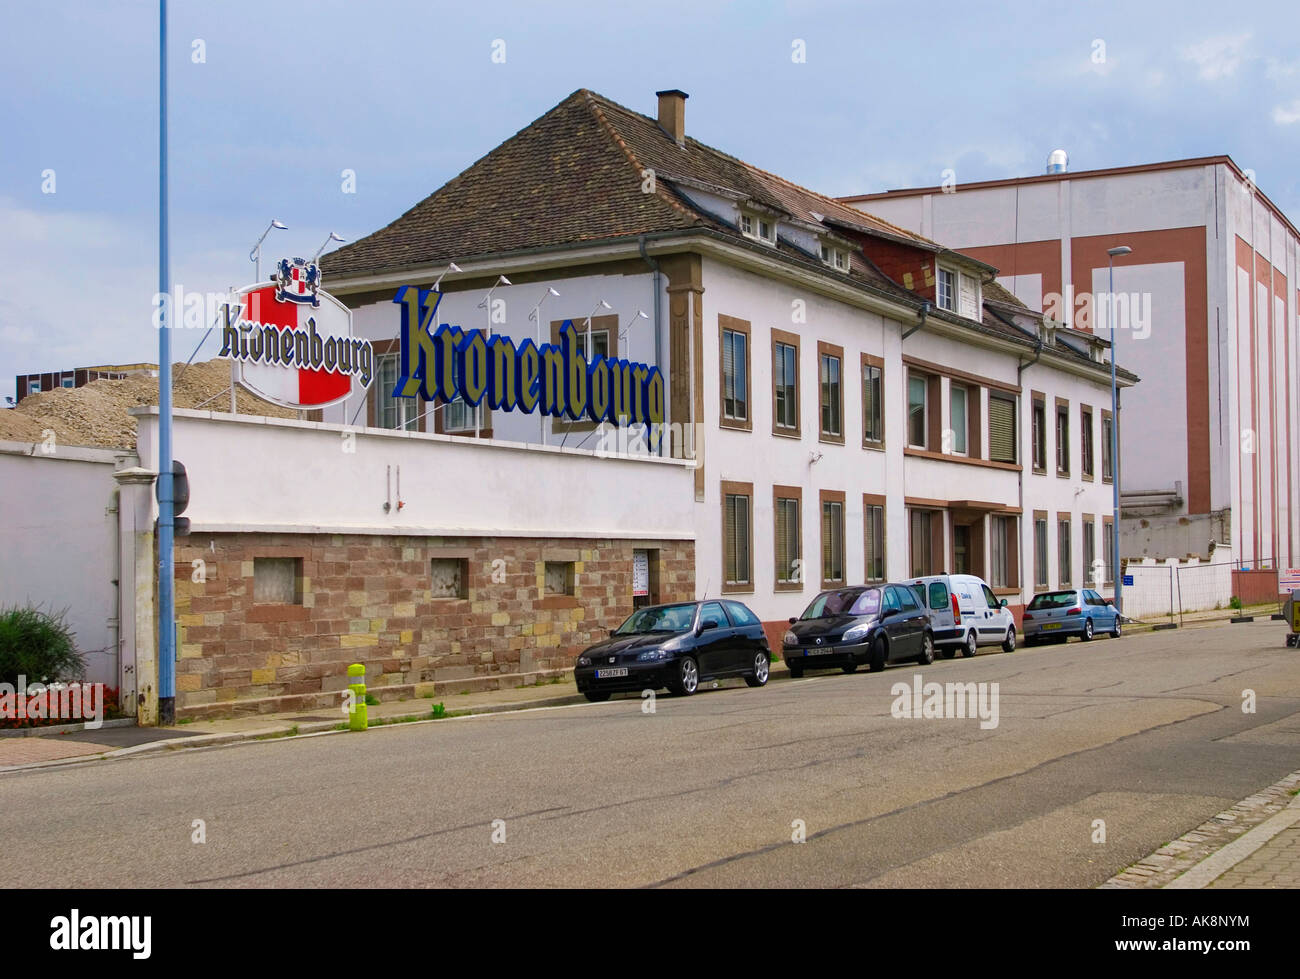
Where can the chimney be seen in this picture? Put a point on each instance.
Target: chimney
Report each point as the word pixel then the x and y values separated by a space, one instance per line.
pixel 672 114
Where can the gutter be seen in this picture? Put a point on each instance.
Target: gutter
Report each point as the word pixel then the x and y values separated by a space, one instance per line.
pixel 922 315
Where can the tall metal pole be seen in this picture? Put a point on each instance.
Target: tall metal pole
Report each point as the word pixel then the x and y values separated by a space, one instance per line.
pixel 1114 451
pixel 166 578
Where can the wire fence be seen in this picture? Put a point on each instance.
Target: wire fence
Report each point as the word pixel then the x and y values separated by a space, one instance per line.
pixel 1166 591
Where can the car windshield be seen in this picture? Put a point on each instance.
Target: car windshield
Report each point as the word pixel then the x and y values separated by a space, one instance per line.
pixel 832 603
pixel 660 618
pixel 1055 599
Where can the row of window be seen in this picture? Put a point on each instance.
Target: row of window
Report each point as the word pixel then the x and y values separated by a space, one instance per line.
pixel 1061 429
pixel 966 551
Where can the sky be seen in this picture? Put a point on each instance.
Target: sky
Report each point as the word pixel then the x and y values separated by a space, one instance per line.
pixel 270 103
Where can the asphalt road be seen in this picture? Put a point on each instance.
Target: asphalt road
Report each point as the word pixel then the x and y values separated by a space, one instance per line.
pixel 1146 733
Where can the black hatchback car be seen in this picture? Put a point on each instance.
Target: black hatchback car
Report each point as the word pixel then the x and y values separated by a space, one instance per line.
pixel 676 646
pixel 874 624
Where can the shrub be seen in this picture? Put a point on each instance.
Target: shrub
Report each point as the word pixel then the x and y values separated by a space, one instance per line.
pixel 37 645
pixel 1235 602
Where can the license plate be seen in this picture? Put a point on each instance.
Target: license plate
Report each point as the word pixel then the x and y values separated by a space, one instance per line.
pixel 1052 625
pixel 613 671
pixel 818 652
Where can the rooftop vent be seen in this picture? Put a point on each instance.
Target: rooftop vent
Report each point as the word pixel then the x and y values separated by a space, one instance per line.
pixel 1058 161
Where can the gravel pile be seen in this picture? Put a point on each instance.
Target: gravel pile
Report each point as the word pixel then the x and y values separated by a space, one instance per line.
pixel 96 414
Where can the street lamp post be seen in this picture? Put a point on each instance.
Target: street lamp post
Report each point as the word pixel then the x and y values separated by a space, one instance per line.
pixel 254 256
pixel 536 316
pixel 1112 254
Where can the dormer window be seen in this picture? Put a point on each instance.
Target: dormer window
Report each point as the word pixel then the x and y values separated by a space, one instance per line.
pixel 836 258
pixel 958 292
pixel 753 226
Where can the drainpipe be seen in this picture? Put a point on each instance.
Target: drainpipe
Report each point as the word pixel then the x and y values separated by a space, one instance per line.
pixel 1020 476
pixel 654 267
pixel 924 314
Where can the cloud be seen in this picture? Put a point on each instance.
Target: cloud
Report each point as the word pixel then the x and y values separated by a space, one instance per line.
pixel 1217 57
pixel 1286 115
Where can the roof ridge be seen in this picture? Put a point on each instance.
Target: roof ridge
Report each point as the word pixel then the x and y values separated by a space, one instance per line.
pixel 593 100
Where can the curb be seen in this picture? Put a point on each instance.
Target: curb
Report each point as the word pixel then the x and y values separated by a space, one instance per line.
pixel 1200 846
pixel 1217 864
pixel 40 732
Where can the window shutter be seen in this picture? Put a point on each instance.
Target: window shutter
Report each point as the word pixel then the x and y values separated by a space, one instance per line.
pixel 1002 429
pixel 968 293
pixel 730 557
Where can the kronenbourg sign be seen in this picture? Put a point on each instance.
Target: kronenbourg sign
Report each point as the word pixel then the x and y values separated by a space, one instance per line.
pixel 293 341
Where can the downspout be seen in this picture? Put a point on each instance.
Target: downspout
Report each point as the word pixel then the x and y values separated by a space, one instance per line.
pixel 1020 476
pixel 924 314
pixel 654 267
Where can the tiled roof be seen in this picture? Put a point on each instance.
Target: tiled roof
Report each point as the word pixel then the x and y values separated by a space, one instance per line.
pixel 575 175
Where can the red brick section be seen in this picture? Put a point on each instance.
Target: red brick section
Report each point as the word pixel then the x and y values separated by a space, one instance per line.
pixel 367 599
pixel 903 265
pixel 1255 587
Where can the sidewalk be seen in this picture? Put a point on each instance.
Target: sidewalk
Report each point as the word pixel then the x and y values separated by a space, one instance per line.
pixel 1217 616
pixel 80 746
pixel 1255 844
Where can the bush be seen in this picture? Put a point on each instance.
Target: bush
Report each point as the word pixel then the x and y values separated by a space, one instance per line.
pixel 1235 603
pixel 37 645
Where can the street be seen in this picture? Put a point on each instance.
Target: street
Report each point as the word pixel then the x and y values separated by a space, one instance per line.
pixel 1145 733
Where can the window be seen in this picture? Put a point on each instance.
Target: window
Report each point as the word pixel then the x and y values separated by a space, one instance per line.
pixel 1108 550
pixel 1085 441
pixel 836 258
pixel 968 298
pixel 787 526
pixel 873 401
pixel 785 383
pixel 957 405
pixel 920 542
pixel 946 293
pixel 397 413
pixel 1002 428
pixel 874 524
pixel 68 382
pixel 758 227
pixel 33 387
pixel 740 615
pixel 1107 463
pixel 1063 556
pixel 832 538
pixel 599 343
pixel 998 571
pixel 557 578
pixel 830 359
pixel 737 536
pixel 277 580
pixel 735 371
pixel 712 612
pixel 449 577
pixel 1062 438
pixel 1091 574
pixel 917 409
pixel 1040 433
pixel 1040 550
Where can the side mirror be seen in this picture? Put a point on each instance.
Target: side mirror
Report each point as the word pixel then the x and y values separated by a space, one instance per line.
pixel 793 620
pixel 888 613
pixel 1003 603
pixel 708 624
pixel 1109 601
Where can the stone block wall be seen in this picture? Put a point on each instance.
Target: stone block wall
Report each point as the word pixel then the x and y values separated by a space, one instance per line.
pixel 370 599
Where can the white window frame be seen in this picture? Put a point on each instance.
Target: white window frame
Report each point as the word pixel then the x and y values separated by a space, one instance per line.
pixel 407 409
pixel 925 410
pixel 835 258
pixel 952 289
pixel 751 226
pixel 964 431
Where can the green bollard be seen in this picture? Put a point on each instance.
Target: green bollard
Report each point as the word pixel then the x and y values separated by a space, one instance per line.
pixel 358 719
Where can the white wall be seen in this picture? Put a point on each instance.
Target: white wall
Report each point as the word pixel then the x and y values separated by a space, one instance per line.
pixel 59 543
pixel 277 474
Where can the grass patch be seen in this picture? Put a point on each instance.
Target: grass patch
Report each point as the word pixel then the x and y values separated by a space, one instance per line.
pixel 371 700
pixel 439 711
pixel 186 720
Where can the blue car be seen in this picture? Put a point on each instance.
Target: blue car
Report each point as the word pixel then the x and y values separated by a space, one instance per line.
pixel 1057 615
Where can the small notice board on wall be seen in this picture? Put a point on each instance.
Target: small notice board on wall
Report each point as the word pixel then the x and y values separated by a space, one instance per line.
pixel 640 574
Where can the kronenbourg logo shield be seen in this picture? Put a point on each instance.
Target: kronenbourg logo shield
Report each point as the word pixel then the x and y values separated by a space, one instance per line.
pixel 294 342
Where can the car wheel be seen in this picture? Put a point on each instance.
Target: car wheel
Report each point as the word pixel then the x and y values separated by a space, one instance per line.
pixel 879 653
pixel 1087 630
pixel 1115 632
pixel 796 670
pixel 596 696
pixel 687 680
pixel 970 647
pixel 1009 643
pixel 927 650
pixel 762 667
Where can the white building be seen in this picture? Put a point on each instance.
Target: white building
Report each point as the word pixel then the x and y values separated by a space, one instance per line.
pixel 1206 309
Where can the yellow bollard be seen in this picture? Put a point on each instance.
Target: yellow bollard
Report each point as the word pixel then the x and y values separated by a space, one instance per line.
pixel 359 718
